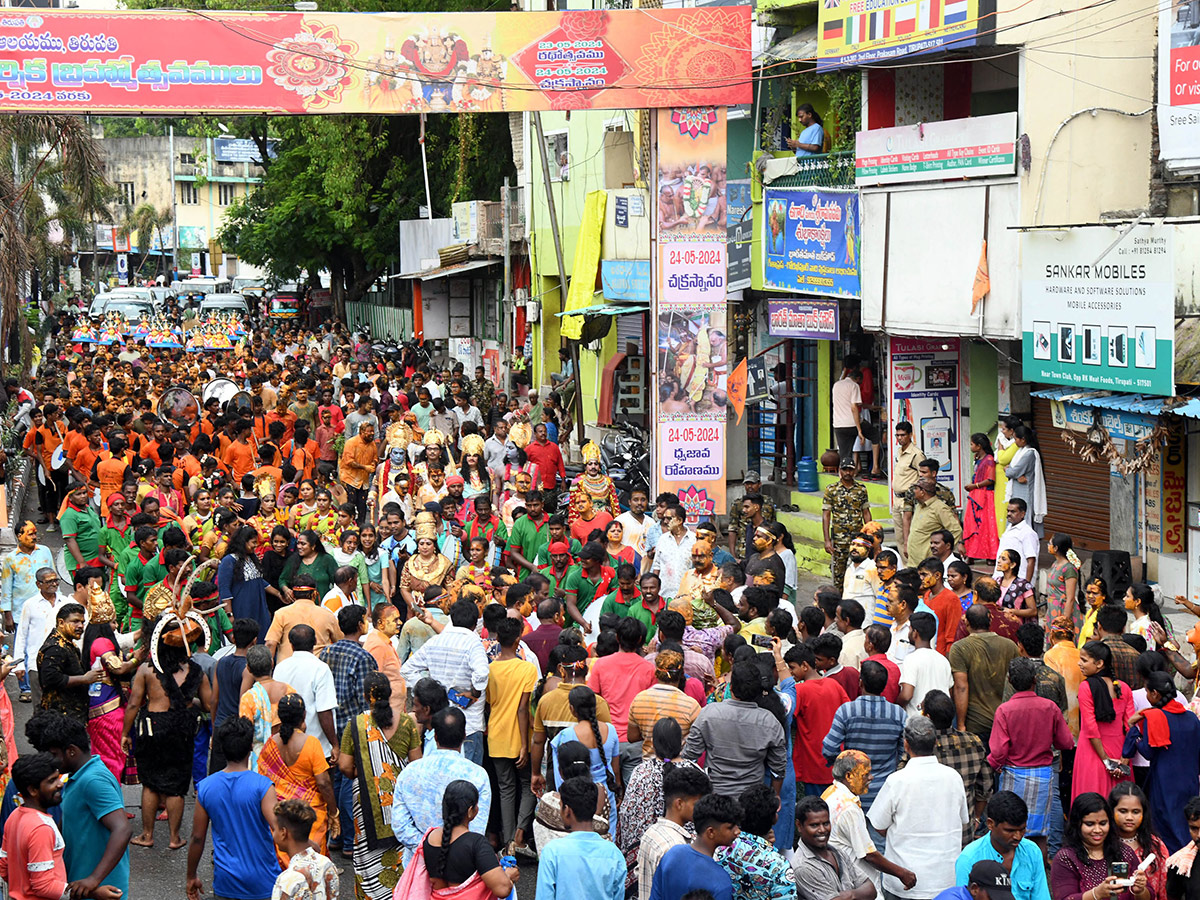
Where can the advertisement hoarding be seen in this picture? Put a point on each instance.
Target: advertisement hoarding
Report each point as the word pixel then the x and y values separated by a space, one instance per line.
pixel 855 32
pixel 1098 308
pixel 924 387
pixel 973 147
pixel 217 61
pixel 811 241
pixel 799 317
pixel 1179 84
pixel 693 364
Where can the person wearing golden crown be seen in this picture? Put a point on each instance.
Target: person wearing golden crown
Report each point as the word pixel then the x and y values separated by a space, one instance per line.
pixel 592 487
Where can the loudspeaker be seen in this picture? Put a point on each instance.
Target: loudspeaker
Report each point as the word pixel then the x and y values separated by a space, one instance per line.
pixel 1114 567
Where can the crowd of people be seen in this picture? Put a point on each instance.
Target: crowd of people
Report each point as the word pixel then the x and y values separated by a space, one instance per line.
pixel 369 632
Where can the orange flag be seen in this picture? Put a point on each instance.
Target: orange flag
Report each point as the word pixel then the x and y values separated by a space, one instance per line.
pixel 735 387
pixel 983 283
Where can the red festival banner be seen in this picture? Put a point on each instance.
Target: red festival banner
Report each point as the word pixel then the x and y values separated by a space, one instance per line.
pixel 199 61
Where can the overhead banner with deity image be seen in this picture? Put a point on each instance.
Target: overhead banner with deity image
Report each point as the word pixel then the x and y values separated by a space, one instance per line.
pixel 691 399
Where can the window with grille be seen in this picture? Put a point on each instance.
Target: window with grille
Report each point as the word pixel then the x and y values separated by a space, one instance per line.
pixel 188 195
pixel 226 193
pixel 126 189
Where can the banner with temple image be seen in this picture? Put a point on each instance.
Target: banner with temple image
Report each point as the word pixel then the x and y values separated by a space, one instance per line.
pixel 691 388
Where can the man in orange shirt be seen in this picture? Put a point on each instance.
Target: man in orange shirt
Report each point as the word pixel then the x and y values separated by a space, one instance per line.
pixel 239 457
pixel 301 451
pixel 266 463
pixel 359 457
pixel 76 438
pixel 87 455
pixel 158 434
pixel 48 439
pixel 943 601
pixel 281 414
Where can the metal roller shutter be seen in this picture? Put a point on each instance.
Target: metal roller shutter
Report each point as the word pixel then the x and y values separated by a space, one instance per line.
pixel 1076 491
pixel 629 331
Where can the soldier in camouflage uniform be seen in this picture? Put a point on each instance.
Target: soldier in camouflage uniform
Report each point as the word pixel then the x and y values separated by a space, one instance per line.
pixel 926 468
pixel 844 509
pixel 483 392
pixel 752 484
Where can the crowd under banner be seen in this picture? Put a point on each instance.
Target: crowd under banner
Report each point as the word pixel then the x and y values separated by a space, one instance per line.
pixel 201 61
pixel 691 404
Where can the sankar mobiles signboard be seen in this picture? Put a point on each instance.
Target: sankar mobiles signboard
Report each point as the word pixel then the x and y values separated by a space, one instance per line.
pixel 960 148
pixel 201 61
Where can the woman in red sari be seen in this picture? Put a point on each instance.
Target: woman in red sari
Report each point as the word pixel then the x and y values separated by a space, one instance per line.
pixel 980 540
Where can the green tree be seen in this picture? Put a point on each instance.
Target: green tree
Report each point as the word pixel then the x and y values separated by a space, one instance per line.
pixel 52 186
pixel 145 221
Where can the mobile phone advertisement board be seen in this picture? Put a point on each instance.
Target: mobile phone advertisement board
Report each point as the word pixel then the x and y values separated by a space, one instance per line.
pixel 924 388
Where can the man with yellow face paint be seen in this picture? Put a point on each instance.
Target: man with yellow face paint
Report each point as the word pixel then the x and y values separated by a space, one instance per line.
pixel 703 577
pixel 17 573
pixel 848 824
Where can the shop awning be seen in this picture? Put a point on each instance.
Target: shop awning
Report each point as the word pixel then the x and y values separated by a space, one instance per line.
pixel 447 271
pixel 1142 404
pixel 606 309
pixel 799 47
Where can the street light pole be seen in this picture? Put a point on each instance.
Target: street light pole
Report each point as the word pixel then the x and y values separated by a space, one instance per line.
pixel 174 206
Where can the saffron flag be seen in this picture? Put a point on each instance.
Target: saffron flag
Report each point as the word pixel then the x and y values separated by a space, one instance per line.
pixel 735 387
pixel 983 283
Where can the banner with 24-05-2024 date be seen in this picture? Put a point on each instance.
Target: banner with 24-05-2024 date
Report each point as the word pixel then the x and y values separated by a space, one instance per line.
pixel 200 61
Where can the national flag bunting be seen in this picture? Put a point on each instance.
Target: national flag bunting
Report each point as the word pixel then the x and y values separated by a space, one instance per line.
pixel 833 29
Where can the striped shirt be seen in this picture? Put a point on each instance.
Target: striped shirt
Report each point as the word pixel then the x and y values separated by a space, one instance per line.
pixel 870 724
pixel 658 702
pixel 454 659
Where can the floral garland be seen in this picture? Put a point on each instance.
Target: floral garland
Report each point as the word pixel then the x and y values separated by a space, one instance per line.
pixel 1145 450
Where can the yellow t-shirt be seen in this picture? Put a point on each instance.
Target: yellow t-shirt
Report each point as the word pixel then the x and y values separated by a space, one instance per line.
pixel 508 679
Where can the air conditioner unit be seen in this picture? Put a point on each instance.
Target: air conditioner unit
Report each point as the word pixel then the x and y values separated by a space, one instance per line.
pixel 533 311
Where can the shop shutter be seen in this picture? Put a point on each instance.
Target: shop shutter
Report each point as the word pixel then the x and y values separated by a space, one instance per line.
pixel 629 331
pixel 1076 491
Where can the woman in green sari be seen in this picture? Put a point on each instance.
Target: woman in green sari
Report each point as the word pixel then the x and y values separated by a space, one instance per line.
pixel 376 745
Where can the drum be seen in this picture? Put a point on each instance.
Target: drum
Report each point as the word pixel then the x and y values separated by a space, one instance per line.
pixel 223 389
pixel 239 403
pixel 179 405
pixel 58 459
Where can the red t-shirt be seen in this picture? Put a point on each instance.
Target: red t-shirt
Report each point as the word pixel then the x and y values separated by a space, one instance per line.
pixel 618 678
pixel 816 702
pixel 847 677
pixel 948 609
pixel 892 691
pixel 548 458
pixel 581 529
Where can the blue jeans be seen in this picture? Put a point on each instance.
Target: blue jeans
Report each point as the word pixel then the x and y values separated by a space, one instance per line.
pixel 200 752
pixel 23 678
pixel 811 790
pixel 343 792
pixel 472 747
pixel 1055 837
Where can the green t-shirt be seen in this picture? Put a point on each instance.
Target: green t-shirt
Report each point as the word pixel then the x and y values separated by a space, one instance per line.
pixel 634 609
pixel 585 589
pixel 529 539
pixel 557 582
pixel 87 529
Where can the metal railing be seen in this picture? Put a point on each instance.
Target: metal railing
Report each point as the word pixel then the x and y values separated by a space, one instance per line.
pixel 820 170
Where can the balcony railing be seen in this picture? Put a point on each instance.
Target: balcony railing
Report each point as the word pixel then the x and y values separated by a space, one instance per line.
pixel 820 170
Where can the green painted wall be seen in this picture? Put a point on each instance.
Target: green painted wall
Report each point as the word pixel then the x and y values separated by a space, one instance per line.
pixel 824 392
pixel 985 402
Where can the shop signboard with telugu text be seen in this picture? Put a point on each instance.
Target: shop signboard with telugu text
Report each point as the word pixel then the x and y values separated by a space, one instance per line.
pixel 924 389
pixel 625 279
pixel 856 32
pixel 690 306
pixel 184 61
pixel 797 317
pixel 811 241
pixel 1098 308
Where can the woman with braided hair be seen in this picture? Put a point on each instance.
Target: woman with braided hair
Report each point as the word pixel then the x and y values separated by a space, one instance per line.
pixel 603 745
pixel 296 765
pixel 376 745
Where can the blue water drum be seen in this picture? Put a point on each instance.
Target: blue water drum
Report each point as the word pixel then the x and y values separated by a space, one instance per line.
pixel 806 474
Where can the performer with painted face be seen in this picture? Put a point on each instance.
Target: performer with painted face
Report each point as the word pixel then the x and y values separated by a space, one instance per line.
pixel 592 488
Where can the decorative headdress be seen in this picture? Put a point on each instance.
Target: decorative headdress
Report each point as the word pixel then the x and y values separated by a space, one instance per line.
pixel 521 434
pixel 472 444
pixel 433 436
pixel 264 485
pixel 100 606
pixel 590 452
pixel 426 526
pixel 398 435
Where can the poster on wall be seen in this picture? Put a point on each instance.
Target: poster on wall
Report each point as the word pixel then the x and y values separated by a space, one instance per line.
pixel 737 203
pixel 811 241
pixel 222 61
pixel 1179 85
pixel 1098 308
pixel 854 32
pixel 691 403
pixel 924 385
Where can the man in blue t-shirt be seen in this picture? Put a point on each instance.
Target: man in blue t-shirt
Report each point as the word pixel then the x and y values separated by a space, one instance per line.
pixel 239 803
pixel 94 826
pixel 1006 845
pixel 688 867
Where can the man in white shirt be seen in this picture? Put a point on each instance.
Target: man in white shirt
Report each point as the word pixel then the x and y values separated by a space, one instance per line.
pixel 941 547
pixel 456 660
pixel 1019 536
pixel 35 625
pixel 673 554
pixel 923 669
pixel 344 591
pixel 847 407
pixel 850 617
pixel 861 581
pixel 634 520
pixel 920 810
pixel 313 681
pixel 495 448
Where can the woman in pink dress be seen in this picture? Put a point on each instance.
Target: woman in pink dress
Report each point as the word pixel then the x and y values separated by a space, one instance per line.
pixel 980 540
pixel 1105 705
